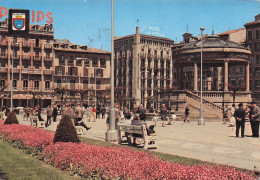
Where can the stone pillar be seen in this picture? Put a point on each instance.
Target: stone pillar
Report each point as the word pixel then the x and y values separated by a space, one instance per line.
pixel 226 75
pixel 247 77
pixel 195 88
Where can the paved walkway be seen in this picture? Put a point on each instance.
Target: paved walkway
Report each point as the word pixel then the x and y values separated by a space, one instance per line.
pixel 214 142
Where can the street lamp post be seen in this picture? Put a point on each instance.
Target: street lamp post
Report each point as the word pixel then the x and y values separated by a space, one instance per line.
pixel 201 120
pixel 111 135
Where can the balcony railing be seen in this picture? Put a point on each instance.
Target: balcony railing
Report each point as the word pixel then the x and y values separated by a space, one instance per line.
pixel 48 72
pixel 3 69
pixel 17 57
pixel 39 58
pixel 26 57
pixel 48 58
pixel 32 71
pixel 3 56
pixel 47 46
pixel 4 42
pixel 26 44
pixel 15 70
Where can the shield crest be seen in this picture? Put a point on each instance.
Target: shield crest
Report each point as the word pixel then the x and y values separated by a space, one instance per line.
pixel 18 23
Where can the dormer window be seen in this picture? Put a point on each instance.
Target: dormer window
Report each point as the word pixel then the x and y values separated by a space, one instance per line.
pixel 56 45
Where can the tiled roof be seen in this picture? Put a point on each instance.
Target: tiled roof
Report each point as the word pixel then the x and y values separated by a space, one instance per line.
pixel 143 35
pixel 231 31
pixel 124 37
pixel 89 49
pixel 252 23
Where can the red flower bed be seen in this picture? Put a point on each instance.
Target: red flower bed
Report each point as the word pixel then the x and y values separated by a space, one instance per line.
pixel 114 162
pixel 27 135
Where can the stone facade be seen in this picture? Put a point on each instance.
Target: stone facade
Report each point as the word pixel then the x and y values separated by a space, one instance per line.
pixel 43 64
pixel 143 68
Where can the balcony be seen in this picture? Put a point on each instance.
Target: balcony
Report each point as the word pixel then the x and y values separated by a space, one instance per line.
pixel 26 44
pixel 3 69
pixel 49 58
pixel 37 46
pixel 72 86
pixel 26 57
pixel 17 57
pixel 59 73
pixel 142 55
pixel 15 70
pixel 31 71
pixel 47 46
pixel 4 43
pixel 39 58
pixel 150 56
pixel 47 72
pixel 3 56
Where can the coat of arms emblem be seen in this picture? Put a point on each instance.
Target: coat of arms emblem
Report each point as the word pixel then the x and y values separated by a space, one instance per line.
pixel 18 21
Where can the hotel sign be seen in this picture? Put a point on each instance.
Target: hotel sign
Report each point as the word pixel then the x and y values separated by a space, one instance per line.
pixel 18 22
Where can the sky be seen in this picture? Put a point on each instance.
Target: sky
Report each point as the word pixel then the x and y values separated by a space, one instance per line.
pixel 88 22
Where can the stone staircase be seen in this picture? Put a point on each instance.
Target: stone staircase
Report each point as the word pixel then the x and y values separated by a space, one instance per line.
pixel 184 98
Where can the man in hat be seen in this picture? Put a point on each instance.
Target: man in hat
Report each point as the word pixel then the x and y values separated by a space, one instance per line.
pixel 255 118
pixel 240 115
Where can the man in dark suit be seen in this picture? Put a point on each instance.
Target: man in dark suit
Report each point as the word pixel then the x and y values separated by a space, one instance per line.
pixel 255 115
pixel 240 115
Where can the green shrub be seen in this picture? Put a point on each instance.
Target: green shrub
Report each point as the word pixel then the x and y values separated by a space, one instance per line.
pixel 11 118
pixel 66 131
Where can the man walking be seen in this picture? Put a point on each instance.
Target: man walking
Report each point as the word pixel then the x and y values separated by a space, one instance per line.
pixel 49 114
pixel 240 115
pixel 255 115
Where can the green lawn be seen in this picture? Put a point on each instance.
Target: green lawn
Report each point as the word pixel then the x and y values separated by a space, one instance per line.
pixel 15 164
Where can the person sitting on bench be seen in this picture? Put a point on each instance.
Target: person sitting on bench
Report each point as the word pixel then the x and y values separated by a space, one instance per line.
pixel 79 116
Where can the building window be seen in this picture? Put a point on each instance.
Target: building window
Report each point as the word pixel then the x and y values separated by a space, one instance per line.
pixel 78 62
pixel 249 35
pixel 257 47
pixel 47 85
pixel 14 83
pixel 25 66
pixel 36 66
pixel 86 62
pixel 36 85
pixel 25 84
pixel 15 52
pixel 15 40
pixel 2 83
pixel 85 81
pixel 37 54
pixel 2 51
pixel 48 54
pixel 15 64
pixel 103 62
pixel 257 34
pixel 47 66
pixel 94 62
pixel 61 59
pixel 71 59
pixel 257 59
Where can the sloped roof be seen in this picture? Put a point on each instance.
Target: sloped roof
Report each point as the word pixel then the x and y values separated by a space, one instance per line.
pixel 231 31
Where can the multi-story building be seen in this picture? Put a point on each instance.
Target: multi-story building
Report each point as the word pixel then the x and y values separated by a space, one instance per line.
pixel 42 66
pixel 81 69
pixel 253 41
pixel 143 68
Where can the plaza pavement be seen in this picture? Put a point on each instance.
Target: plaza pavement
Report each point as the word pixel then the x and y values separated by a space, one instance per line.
pixel 213 142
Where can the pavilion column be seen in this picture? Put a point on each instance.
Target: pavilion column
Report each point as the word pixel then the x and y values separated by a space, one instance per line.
pixel 247 77
pixel 195 88
pixel 226 76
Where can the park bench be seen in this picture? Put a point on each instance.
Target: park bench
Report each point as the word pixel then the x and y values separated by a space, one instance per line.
pixel 128 131
pixel 80 129
pixel 36 123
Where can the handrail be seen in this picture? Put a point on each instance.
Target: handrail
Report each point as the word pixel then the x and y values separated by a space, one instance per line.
pixel 208 103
